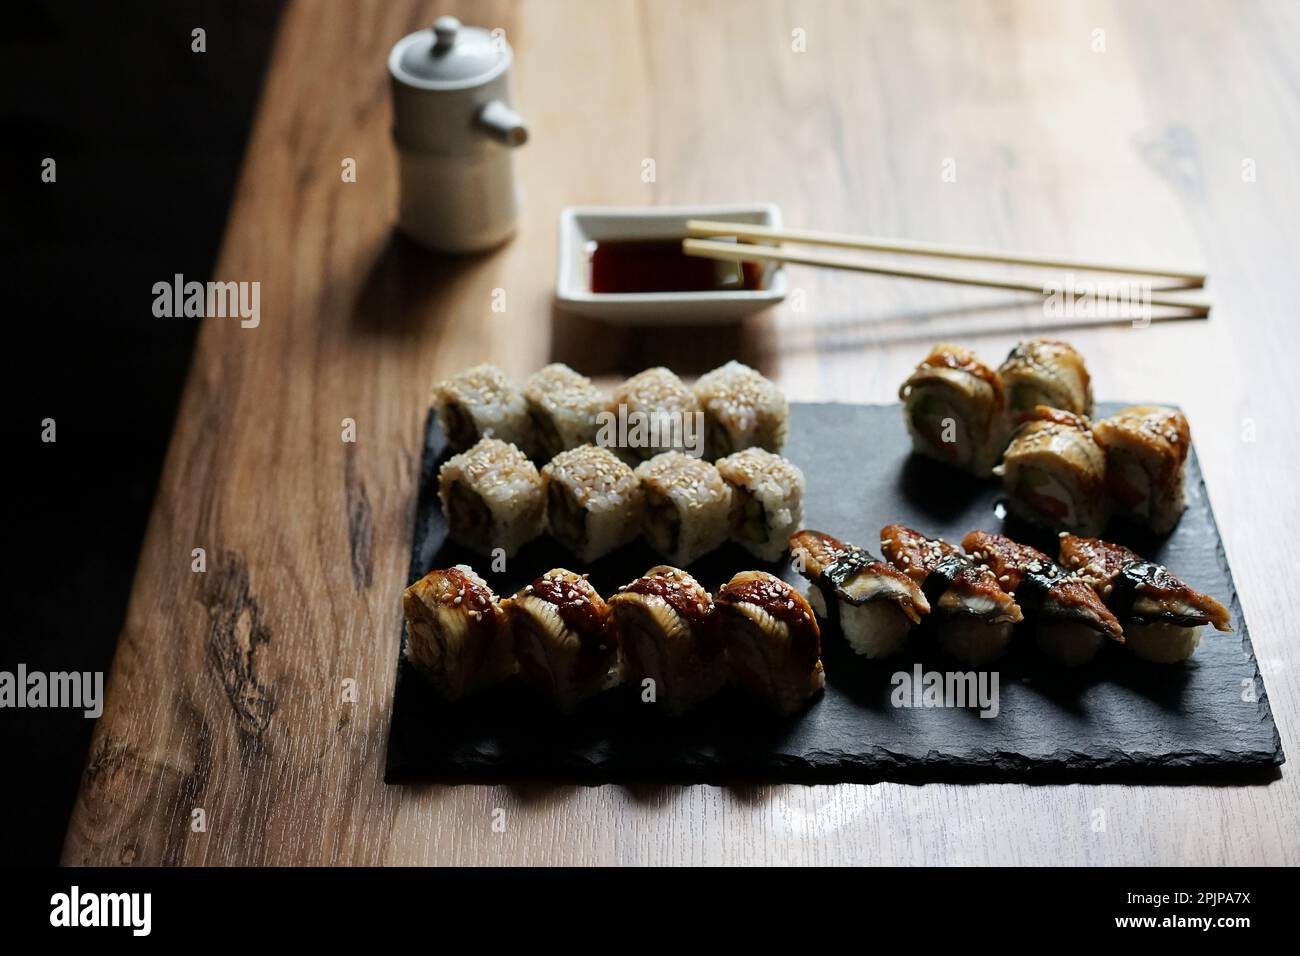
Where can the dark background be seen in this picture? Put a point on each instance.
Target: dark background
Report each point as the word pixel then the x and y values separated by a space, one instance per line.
pixel 148 137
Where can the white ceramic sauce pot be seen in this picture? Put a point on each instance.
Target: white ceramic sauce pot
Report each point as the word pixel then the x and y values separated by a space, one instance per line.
pixel 456 133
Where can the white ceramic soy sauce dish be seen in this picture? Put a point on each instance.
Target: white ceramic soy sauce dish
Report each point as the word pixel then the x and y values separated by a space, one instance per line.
pixel 581 227
pixel 455 131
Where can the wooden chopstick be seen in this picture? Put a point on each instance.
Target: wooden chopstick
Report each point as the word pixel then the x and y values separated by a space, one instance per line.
pixel 745 252
pixel 753 233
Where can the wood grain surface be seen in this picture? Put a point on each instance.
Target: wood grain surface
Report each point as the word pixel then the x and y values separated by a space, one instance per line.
pixel 229 688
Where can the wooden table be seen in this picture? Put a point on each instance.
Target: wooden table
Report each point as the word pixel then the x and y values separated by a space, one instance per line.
pixel 227 692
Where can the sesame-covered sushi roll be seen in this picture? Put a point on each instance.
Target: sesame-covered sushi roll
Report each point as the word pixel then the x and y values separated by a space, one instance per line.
pixel 456 633
pixel 481 402
pixel 594 502
pixel 766 500
pixel 668 634
pixel 1146 448
pixel 875 605
pixel 492 497
pixel 955 410
pixel 1054 472
pixel 742 409
pixel 564 638
pixel 772 640
pixel 563 407
pixel 661 414
pixel 1046 372
pixel 1071 624
pixel 1162 617
pixel 971 614
pixel 687 506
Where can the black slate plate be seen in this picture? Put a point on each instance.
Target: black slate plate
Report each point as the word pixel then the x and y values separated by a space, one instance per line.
pixel 1115 718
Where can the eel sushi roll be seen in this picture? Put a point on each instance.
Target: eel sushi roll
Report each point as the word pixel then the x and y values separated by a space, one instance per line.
pixel 1046 372
pixel 661 414
pixel 594 502
pixel 766 500
pixel 772 641
pixel 456 632
pixel 687 506
pixel 563 407
pixel 742 409
pixel 1146 448
pixel 955 410
pixel 564 638
pixel 668 634
pixel 972 615
pixel 874 604
pixel 1071 624
pixel 1162 617
pixel 481 402
pixel 1054 472
pixel 492 498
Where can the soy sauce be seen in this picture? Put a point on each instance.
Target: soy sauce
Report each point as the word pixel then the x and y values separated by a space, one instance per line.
pixel 659 265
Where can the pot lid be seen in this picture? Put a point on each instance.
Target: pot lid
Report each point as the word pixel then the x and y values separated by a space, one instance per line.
pixel 450 56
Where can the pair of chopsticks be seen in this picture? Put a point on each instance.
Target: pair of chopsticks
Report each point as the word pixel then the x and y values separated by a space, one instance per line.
pixel 754 244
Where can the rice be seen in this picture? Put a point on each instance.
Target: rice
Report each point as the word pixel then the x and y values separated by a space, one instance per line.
pixel 660 411
pixel 1162 642
pixel 767 500
pixel 563 406
pixel 1069 643
pixel 972 641
pixel 492 498
pixel 594 501
pixel 481 402
pixel 742 409
pixel 687 506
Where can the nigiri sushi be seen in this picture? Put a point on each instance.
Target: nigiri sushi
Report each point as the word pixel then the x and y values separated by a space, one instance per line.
pixel 1046 372
pixel 1071 624
pixel 971 613
pixel 1162 617
pixel 1146 448
pixel 955 409
pixel 875 605
pixel 564 638
pixel 456 632
pixel 667 630
pixel 1054 472
pixel 492 497
pixel 772 640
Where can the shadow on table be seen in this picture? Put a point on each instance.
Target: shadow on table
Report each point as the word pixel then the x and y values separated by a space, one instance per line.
pixel 595 347
pixel 403 279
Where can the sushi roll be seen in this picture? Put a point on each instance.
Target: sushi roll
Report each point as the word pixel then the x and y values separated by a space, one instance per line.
pixel 564 638
pixel 563 407
pixel 687 506
pixel 456 633
pixel 742 409
pixel 766 500
pixel 1162 617
pixel 955 410
pixel 772 641
pixel 594 502
pixel 875 605
pixel 1046 372
pixel 661 414
pixel 481 402
pixel 1054 472
pixel 1071 624
pixel 1146 448
pixel 492 497
pixel 668 634
pixel 971 614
